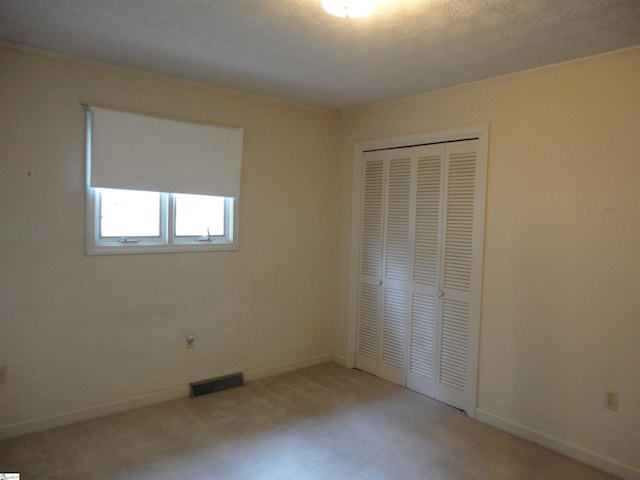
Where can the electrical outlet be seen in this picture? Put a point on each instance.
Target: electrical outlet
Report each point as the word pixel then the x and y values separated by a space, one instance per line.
pixel 611 400
pixel 3 375
pixel 190 341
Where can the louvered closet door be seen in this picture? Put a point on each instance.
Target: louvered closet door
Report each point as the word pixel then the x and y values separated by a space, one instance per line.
pixel 385 259
pixel 425 304
pixel 420 268
pixel 370 261
pixel 396 265
pixel 446 274
pixel 461 274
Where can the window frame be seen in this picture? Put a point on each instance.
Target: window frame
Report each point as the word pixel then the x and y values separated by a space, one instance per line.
pixel 168 241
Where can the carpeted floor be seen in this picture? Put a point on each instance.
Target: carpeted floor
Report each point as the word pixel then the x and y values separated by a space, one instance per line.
pixel 323 422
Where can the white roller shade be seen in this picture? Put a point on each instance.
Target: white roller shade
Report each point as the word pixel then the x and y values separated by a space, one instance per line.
pixel 137 152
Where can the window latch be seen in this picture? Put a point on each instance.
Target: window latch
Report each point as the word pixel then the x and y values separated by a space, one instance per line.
pixel 205 238
pixel 127 240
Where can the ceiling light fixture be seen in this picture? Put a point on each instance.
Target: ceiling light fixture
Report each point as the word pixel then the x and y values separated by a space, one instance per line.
pixel 348 8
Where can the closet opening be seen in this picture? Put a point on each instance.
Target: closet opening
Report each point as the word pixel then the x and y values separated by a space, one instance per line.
pixel 416 262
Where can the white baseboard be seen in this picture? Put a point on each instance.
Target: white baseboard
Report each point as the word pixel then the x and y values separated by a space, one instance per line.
pixel 43 423
pixel 339 359
pixel 286 367
pixel 570 450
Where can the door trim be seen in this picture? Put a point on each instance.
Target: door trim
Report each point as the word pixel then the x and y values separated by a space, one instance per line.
pixel 480 132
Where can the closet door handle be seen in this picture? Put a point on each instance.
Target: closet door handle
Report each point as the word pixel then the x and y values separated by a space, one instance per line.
pixel 440 293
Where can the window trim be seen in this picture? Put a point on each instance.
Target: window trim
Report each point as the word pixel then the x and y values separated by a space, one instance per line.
pixel 167 242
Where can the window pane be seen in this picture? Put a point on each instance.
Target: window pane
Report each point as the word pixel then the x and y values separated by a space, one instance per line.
pixel 199 215
pixel 129 213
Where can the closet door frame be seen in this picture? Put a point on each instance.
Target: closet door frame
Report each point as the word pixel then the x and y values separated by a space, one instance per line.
pixel 479 132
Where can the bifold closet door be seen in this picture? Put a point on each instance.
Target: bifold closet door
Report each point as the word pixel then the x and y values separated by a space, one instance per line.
pixel 384 264
pixel 420 261
pixel 442 358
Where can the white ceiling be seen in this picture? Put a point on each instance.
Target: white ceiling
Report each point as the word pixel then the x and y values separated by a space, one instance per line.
pixel 291 49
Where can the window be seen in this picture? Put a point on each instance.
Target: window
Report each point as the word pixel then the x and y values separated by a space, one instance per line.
pixel 130 221
pixel 128 214
pixel 156 185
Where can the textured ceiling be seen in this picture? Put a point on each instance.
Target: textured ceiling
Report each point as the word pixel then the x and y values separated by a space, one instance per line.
pixel 291 49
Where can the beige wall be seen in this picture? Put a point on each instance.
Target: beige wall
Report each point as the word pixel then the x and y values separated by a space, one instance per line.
pixel 561 298
pixel 79 332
